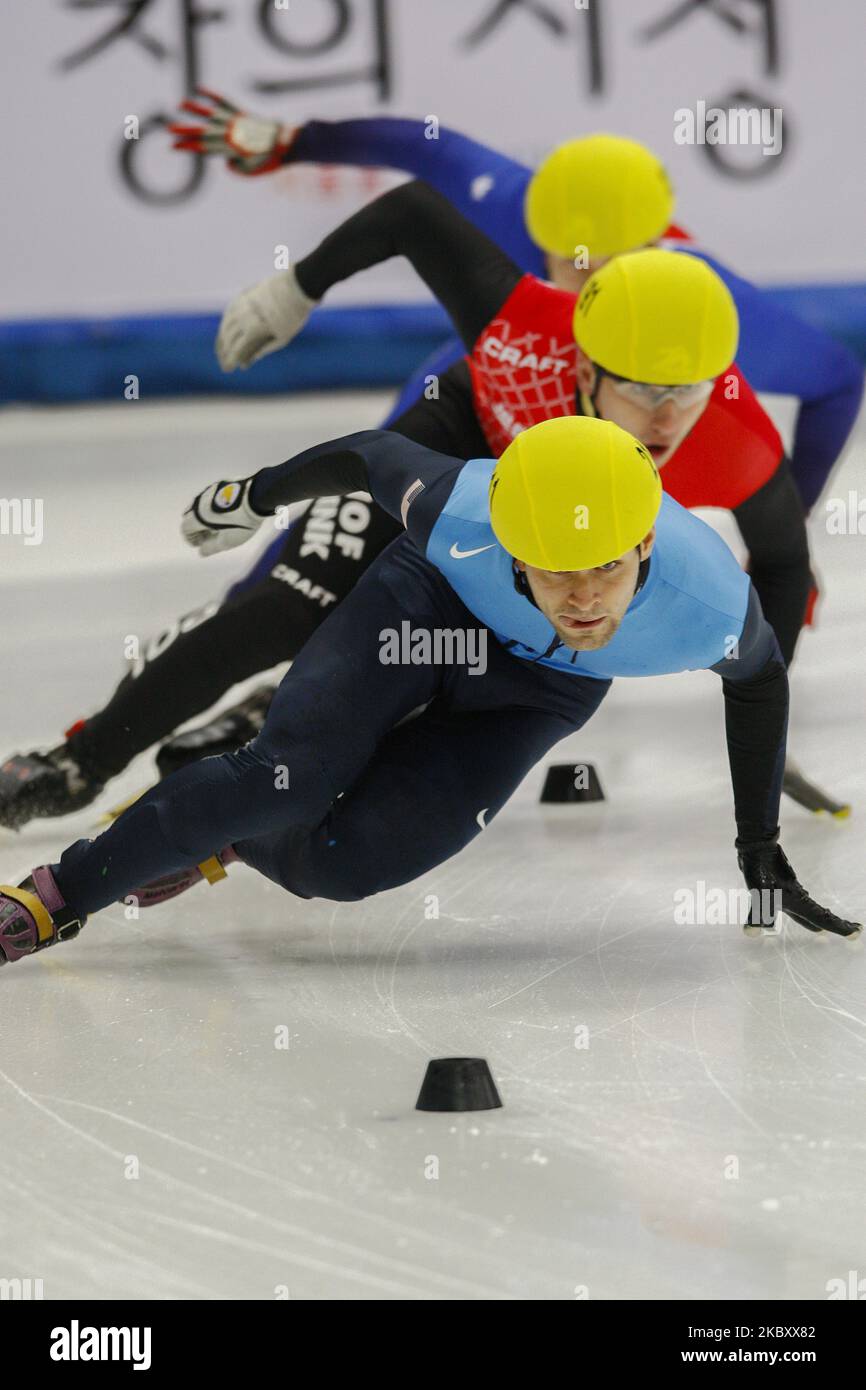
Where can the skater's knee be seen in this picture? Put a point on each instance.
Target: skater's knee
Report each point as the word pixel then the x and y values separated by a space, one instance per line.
pixel 305 872
pixel 347 872
pixel 334 881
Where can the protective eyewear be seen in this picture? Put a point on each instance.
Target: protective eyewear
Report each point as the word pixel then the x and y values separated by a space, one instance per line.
pixel 650 397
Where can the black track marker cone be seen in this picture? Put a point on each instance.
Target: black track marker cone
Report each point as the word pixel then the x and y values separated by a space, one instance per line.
pixel 572 782
pixel 458 1083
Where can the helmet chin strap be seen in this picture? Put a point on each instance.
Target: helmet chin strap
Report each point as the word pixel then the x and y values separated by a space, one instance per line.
pixel 521 583
pixel 587 404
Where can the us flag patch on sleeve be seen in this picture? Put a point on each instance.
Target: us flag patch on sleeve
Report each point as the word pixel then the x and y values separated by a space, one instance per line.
pixel 408 498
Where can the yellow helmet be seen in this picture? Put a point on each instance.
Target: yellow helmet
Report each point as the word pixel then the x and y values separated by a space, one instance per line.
pixel 603 192
pixel 573 493
pixel 662 317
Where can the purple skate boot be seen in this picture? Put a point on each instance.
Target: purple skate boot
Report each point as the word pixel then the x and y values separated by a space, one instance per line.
pixel 33 916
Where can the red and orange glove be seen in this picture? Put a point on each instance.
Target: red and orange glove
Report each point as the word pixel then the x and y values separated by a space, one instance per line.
pixel 249 144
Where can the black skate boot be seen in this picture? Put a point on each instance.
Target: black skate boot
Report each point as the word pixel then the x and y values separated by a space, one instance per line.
pixel 224 734
pixel 43 784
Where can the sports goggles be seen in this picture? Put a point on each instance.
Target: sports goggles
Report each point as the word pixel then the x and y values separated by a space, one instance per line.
pixel 649 397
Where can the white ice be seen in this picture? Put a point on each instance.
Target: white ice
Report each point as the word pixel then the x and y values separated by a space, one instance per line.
pixel 709 1141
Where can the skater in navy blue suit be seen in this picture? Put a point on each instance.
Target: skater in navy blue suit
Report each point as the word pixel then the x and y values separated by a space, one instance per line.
pixel 520 589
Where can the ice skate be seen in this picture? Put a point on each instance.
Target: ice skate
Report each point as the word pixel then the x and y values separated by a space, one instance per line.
pixel 810 796
pixel 34 916
pixel 222 734
pixel 43 784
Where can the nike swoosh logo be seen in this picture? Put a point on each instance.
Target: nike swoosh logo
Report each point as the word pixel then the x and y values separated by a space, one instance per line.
pixel 457 554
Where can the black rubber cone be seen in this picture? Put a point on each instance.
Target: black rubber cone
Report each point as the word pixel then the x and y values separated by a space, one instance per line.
pixel 572 782
pixel 458 1083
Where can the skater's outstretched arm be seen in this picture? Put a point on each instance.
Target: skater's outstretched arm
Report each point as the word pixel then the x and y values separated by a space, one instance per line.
pixel 410 482
pixel 755 685
pixel 466 271
pixel 773 526
pixel 756 717
pixel 485 185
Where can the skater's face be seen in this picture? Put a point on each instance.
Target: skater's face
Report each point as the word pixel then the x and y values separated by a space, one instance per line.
pixel 661 427
pixel 585 607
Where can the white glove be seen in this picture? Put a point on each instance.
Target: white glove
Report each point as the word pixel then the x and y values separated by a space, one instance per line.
pixel 261 320
pixel 221 517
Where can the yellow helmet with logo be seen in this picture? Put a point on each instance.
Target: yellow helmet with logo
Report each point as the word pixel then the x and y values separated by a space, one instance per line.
pixel 663 317
pixel 603 192
pixel 573 493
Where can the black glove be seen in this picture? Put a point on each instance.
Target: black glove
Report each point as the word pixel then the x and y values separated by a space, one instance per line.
pixel 774 886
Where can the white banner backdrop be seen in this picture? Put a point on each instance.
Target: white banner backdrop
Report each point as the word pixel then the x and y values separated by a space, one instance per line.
pixel 77 238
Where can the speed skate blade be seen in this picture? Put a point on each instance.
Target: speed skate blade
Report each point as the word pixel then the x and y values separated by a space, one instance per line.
pixel 109 816
pixel 812 798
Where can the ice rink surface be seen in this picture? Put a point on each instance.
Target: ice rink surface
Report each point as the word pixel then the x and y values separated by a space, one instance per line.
pixel 683 1105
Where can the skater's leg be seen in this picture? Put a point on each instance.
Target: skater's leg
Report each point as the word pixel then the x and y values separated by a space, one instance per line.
pixel 266 625
pixel 189 667
pixel 434 784
pixel 183 676
pixel 331 545
pixel 329 713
